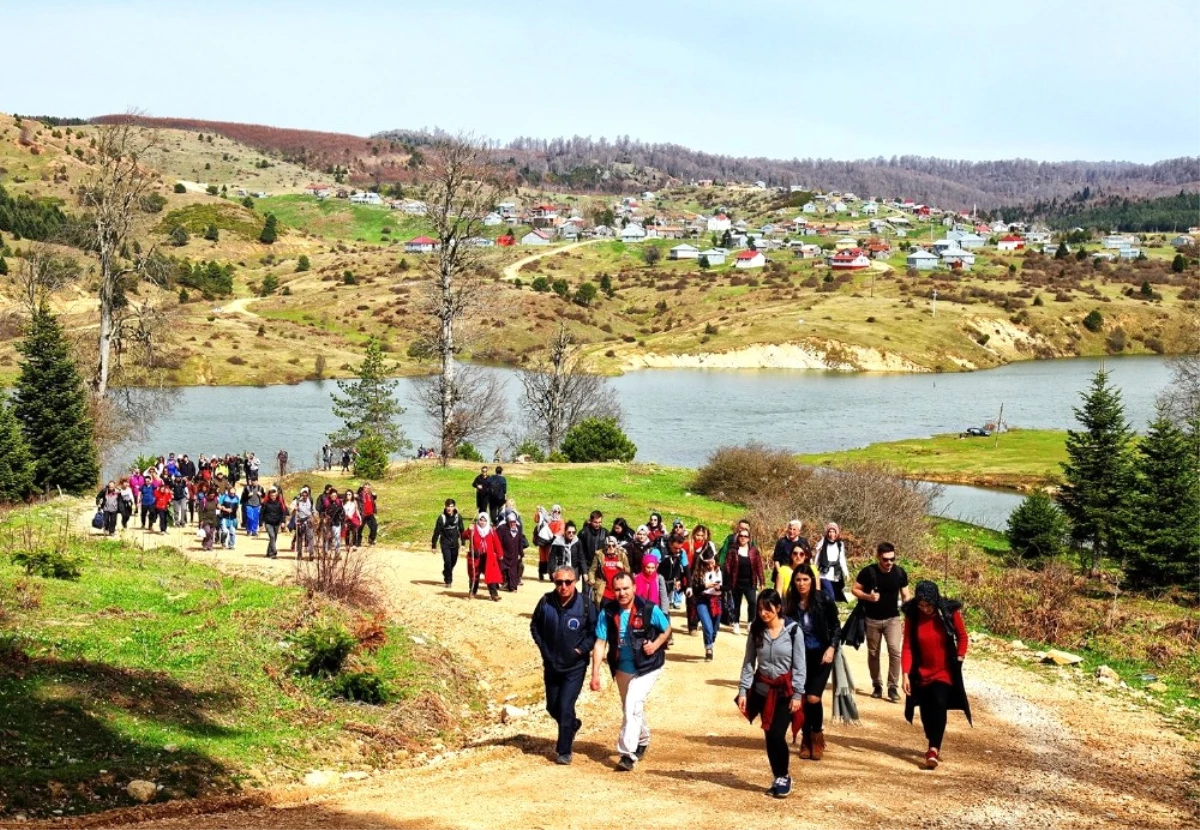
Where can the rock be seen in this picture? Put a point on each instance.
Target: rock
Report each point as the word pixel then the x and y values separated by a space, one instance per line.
pixel 171 748
pixel 511 713
pixel 319 778
pixel 485 686
pixel 1156 686
pixel 143 791
pixel 1017 645
pixel 1107 676
pixel 509 698
pixel 355 776
pixel 1061 658
pixel 418 640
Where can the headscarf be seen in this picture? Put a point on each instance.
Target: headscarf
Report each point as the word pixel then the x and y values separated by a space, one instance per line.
pixel 484 529
pixel 927 591
pixel 833 526
pixel 645 586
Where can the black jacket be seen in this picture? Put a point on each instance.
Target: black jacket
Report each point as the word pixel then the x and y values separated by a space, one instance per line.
pixel 958 690
pixel 497 491
pixel 564 553
pixel 591 542
pixel 273 512
pixel 564 636
pixel 829 631
pixel 447 530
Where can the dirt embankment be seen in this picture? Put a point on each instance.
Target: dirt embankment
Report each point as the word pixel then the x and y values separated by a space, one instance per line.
pixel 1045 750
pixel 835 356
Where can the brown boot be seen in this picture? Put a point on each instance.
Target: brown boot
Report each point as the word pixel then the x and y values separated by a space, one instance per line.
pixel 818 745
pixel 806 745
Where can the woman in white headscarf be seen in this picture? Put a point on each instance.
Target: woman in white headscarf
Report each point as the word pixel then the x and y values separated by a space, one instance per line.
pixel 483 560
pixel 831 563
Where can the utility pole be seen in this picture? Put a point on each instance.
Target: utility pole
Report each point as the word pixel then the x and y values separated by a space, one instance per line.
pixel 999 421
pixel 933 305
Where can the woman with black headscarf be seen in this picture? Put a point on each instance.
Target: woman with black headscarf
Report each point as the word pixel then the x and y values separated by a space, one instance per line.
pixel 935 643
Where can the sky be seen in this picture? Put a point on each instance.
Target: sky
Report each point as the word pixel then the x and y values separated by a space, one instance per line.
pixel 776 78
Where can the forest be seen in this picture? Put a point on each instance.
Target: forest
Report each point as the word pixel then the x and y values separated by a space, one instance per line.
pixel 1164 214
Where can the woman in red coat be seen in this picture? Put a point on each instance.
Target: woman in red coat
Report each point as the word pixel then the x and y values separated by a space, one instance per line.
pixel 935 644
pixel 484 558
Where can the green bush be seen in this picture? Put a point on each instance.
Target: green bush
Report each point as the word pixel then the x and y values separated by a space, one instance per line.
pixel 372 458
pixel 540 284
pixel 179 188
pixel 598 439
pixel 270 285
pixel 323 650
pixel 1094 322
pixel 557 457
pixel 1037 529
pixel 302 264
pixel 530 448
pixel 467 452
pixel 52 564
pixel 738 473
pixel 365 687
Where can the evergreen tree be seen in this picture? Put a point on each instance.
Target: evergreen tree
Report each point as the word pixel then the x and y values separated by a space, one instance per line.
pixel 52 406
pixel 270 231
pixel 3 267
pixel 302 264
pixel 368 406
pixel 16 465
pixel 598 439
pixel 212 233
pixel 1163 527
pixel 1037 529
pixel 372 459
pixel 1098 473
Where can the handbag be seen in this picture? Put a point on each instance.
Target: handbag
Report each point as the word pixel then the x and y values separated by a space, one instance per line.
pixel 98 520
pixel 544 534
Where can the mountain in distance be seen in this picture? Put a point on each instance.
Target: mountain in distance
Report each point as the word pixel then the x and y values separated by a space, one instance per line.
pixel 584 164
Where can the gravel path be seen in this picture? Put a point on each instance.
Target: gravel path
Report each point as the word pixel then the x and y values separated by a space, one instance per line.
pixel 1045 751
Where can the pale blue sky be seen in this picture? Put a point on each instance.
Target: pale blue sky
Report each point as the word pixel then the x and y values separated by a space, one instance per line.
pixel 1045 80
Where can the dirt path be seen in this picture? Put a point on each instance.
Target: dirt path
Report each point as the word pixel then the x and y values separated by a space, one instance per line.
pixel 510 272
pixel 240 306
pixel 1044 752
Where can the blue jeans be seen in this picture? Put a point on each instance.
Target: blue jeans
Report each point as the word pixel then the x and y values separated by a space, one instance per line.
pixel 252 514
pixel 230 528
pixel 562 691
pixel 827 589
pixel 707 624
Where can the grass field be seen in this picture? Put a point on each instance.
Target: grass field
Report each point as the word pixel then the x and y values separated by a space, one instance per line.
pixel 339 220
pixel 150 666
pixel 1018 458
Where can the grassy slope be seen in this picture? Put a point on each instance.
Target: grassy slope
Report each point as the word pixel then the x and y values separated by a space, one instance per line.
pixel 1019 458
pixel 148 650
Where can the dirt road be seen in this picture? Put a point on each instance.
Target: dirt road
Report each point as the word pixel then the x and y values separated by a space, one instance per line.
pixel 511 272
pixel 1044 751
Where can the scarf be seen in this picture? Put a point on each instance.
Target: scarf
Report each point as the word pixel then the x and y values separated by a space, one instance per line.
pixel 779 692
pixel 646 587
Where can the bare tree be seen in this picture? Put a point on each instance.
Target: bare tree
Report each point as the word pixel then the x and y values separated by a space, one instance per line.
pixel 1181 398
pixel 463 189
pixel 562 391
pixel 473 407
pixel 43 272
pixel 111 199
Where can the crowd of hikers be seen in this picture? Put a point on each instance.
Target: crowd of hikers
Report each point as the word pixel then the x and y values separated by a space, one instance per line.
pixel 221 496
pixel 616 587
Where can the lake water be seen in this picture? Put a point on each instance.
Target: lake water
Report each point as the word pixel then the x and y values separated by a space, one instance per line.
pixel 678 416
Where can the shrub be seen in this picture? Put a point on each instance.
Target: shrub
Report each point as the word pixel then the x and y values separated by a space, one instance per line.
pixel 270 284
pixel 212 190
pixel 1094 321
pixel 560 287
pixel 323 649
pixel 531 448
pixel 302 264
pixel 540 284
pixel 557 457
pixel 362 686
pixel 51 564
pixel 348 278
pixel 179 236
pixel 153 202
pixel 467 452
pixel 598 439
pixel 710 329
pixel 585 295
pixel 1037 529
pixel 372 458
pixel 179 188
pixel 736 473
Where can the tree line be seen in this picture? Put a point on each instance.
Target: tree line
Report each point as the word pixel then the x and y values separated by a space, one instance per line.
pixel 1120 213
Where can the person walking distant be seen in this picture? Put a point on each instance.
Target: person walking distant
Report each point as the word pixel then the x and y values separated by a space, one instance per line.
pixel 631 634
pixel 564 629
pixel 447 532
pixel 480 486
pixel 881 587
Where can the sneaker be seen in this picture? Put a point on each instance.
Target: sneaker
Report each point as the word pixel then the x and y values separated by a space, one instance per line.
pixel 877 692
pixel 931 759
pixel 708 655
pixel 626 763
pixel 641 751
pixel 737 628
pixel 783 787
pixel 447 584
pixel 893 695
pixel 564 760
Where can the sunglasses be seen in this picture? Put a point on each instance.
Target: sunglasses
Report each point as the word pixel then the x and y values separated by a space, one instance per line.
pixel 743 535
pixel 561 582
pixel 887 559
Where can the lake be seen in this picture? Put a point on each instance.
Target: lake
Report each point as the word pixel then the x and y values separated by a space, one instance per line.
pixel 678 416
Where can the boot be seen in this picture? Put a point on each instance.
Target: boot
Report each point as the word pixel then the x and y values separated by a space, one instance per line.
pixel 806 745
pixel 818 745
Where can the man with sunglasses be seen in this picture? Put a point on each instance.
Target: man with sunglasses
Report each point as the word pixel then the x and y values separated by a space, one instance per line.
pixel 881 587
pixel 564 628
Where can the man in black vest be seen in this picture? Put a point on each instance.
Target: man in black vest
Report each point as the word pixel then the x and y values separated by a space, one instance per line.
pixel 564 628
pixel 632 634
pixel 447 531
pixel 497 495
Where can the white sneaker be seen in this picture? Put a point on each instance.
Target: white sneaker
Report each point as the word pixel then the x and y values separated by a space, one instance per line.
pixel 737 628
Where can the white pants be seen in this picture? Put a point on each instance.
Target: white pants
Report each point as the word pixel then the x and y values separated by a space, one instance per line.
pixel 634 691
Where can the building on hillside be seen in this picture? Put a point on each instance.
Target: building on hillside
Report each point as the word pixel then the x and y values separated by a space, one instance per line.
pixel 1037 237
pixel 493 219
pixel 537 236
pixel 715 256
pixel 684 251
pixel 960 256
pixel 420 245
pixel 809 207
pixel 1129 252
pixel 367 198
pixel 845 243
pixel 966 240
pixel 1010 243
pixel 506 240
pixel 704 183
pixel 807 250
pixel 415 207
pixel 1117 241
pixel 849 259
pixel 633 233
pixel 479 242
pixel 543 216
pixel 869 209
pixel 748 259
pixel 838 207
pixel 321 191
pixel 921 260
pixel 506 208
pixel 569 232
pixel 719 223
pixel 878 249
pixel 603 232
pixel 1182 241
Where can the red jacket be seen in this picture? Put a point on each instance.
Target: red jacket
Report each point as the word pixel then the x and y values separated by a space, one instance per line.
pixel 485 555
pixel 756 567
pixel 162 498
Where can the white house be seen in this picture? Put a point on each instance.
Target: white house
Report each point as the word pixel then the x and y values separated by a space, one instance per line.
pixel 838 207
pixel 493 219
pixel 1010 243
pixel 321 191
pixel 1129 252
pixel 1118 241
pixel 967 240
pixel 869 209
pixel 633 233
pixel 719 223
pixel 479 242
pixel 420 245
pixel 506 208
pixel 603 231
pixel 964 258
pixel 715 256
pixel 807 250
pixel 415 207
pixel 748 259
pixel 921 260
pixel 944 245
pixel 648 196
pixel 1037 237
pixel 537 236
pixel 809 207
pixel 367 198
pixel 1182 241
pixel 685 251
pixel 844 243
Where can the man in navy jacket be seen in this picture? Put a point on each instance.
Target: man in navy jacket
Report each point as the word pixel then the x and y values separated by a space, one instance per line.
pixel 564 628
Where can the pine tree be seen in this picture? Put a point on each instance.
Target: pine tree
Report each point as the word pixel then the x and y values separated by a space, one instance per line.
pixel 1098 473
pixel 16 465
pixel 372 459
pixel 52 406
pixel 1163 528
pixel 270 231
pixel 368 405
pixel 1037 529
